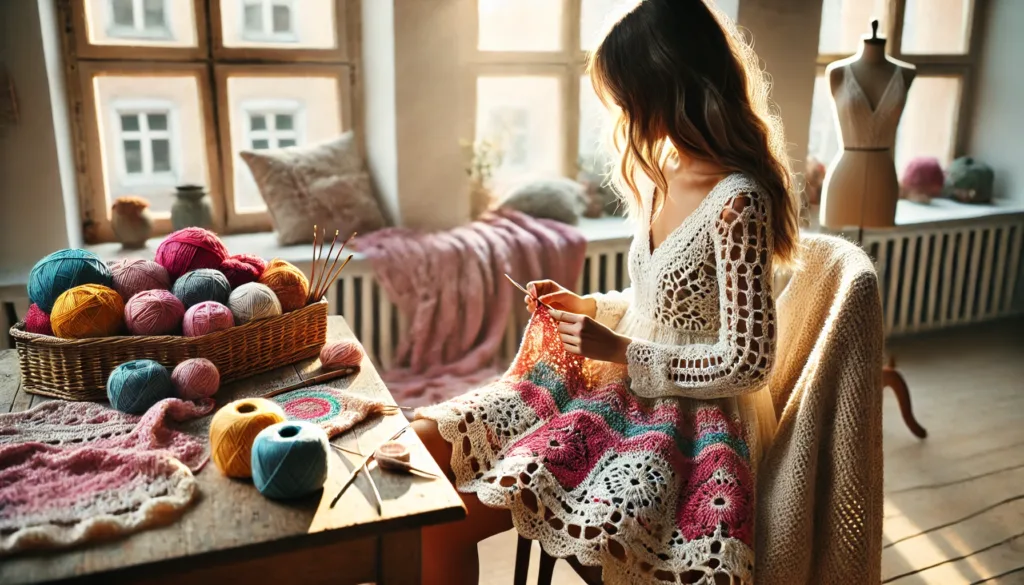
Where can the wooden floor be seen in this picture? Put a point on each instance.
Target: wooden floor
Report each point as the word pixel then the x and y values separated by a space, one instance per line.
pixel 954 508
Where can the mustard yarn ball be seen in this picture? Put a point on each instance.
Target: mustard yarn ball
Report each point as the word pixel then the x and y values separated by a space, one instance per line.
pixel 89 310
pixel 253 301
pixel 233 430
pixel 288 282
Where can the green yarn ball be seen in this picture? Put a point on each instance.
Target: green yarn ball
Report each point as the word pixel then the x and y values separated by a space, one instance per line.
pixel 205 284
pixel 62 271
pixel 135 386
pixel 970 180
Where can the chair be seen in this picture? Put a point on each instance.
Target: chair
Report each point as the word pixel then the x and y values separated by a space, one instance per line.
pixel 824 508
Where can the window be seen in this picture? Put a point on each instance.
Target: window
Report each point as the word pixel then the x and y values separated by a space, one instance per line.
pixel 153 113
pixel 130 19
pixel 938 37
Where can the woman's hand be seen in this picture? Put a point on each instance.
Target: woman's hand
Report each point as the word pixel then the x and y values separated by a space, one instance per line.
pixel 557 296
pixel 584 336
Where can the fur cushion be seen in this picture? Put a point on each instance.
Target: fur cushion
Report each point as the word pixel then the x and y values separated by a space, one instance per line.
pixel 558 199
pixel 322 184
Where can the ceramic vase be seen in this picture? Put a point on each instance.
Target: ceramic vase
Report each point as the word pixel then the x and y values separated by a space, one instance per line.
pixel 132 223
pixel 191 208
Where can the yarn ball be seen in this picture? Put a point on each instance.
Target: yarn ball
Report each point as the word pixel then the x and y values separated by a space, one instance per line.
pixel 289 459
pixel 204 284
pixel 89 310
pixel 135 386
pixel 36 321
pixel 63 270
pixel 970 181
pixel 253 301
pixel 190 249
pixel 341 354
pixel 134 276
pixel 243 268
pixel 206 317
pixel 153 312
pixel 922 179
pixel 195 378
pixel 288 282
pixel 234 428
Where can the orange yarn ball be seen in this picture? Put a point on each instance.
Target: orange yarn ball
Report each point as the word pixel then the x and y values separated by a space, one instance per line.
pixel 89 310
pixel 341 354
pixel 288 282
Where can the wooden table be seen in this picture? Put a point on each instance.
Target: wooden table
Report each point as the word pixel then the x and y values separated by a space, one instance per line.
pixel 233 534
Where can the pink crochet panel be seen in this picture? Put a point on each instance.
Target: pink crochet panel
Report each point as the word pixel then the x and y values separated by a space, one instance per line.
pixel 335 410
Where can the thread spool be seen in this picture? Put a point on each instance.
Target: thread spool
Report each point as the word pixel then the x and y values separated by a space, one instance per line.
pixel 134 276
pixel 195 378
pixel 243 268
pixel 206 317
pixel 38 322
pixel 63 270
pixel 89 310
pixel 392 456
pixel 135 386
pixel 233 430
pixel 289 460
pixel 341 354
pixel 288 282
pixel 202 285
pixel 153 312
pixel 253 301
pixel 190 249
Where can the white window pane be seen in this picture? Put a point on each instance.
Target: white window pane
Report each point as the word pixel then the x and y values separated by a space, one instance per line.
pixel 161 155
pixel 254 17
pixel 157 121
pixel 285 24
pixel 520 25
pixel 282 19
pixel 133 156
pixel 284 122
pixel 153 14
pixel 594 121
pixel 928 125
pixel 936 26
pixel 844 22
pixel 123 12
pixel 318 100
pixel 162 23
pixel 523 116
pixel 823 142
pixel 596 16
pixel 130 122
pixel 286 142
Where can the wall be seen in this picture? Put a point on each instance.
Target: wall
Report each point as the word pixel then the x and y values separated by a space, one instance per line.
pixel 34 152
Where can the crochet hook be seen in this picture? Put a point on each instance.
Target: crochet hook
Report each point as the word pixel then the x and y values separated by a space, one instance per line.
pixel 406 466
pixel 358 468
pixel 319 379
pixel 533 296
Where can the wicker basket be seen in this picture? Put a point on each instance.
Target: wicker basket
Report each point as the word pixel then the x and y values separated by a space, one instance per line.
pixel 77 369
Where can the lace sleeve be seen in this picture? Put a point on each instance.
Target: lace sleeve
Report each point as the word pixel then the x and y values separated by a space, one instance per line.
pixel 742 357
pixel 611 306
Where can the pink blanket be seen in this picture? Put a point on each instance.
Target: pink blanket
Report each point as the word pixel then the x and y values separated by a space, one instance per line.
pixel 450 287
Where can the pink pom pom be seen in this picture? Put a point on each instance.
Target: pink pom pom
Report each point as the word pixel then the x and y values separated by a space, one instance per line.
pixel 134 276
pixel 153 312
pixel 190 249
pixel 195 378
pixel 36 321
pixel 206 317
pixel 341 354
pixel 242 269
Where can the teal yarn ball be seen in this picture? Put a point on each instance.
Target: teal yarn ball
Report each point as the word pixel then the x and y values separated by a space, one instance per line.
pixel 205 284
pixel 289 460
pixel 63 270
pixel 135 386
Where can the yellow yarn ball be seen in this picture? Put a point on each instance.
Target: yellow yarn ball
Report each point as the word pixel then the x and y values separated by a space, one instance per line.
pixel 288 282
pixel 233 430
pixel 89 310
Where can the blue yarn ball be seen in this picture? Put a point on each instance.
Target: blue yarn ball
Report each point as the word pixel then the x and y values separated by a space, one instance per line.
pixel 202 285
pixel 289 459
pixel 63 270
pixel 135 386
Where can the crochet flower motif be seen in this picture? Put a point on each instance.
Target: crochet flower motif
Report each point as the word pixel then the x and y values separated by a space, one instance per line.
pixel 717 504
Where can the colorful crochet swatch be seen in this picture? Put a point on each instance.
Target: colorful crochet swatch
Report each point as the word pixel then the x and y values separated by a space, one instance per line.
pixel 335 410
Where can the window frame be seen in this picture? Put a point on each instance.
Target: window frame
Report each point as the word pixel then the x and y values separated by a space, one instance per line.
pixel 77 32
pixel 275 107
pixel 346 11
pixel 138 30
pixel 144 108
pixel 268 35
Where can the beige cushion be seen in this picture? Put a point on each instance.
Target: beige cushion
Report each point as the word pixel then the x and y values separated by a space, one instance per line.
pixel 322 184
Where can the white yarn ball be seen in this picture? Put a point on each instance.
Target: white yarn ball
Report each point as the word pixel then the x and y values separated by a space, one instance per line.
pixel 253 301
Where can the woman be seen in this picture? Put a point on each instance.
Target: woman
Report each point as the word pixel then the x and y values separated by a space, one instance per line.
pixel 650 475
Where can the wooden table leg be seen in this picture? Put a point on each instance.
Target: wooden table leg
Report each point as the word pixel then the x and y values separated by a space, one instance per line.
pixel 399 558
pixel 891 378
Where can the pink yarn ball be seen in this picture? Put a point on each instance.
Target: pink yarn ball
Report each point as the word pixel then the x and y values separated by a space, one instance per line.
pixel 154 312
pixel 195 378
pixel 924 175
pixel 190 249
pixel 341 354
pixel 133 276
pixel 207 317
pixel 36 321
pixel 242 269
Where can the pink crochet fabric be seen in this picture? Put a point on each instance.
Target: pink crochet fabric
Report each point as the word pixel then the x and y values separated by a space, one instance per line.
pixel 335 410
pixel 450 286
pixel 77 471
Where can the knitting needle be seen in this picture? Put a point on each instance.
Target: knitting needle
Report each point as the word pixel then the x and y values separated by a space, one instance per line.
pixel 373 485
pixel 366 459
pixel 314 380
pixel 312 273
pixel 533 296
pixel 322 290
pixel 330 252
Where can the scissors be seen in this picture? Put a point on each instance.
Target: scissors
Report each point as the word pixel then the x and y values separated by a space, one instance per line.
pixel 533 296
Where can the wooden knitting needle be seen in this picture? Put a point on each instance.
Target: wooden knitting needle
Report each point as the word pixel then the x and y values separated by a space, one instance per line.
pixel 535 298
pixel 405 465
pixel 373 485
pixel 314 380
pixel 362 465
pixel 322 290
pixel 330 252
pixel 312 273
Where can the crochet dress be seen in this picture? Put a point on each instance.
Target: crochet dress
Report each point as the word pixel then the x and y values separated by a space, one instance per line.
pixel 647 470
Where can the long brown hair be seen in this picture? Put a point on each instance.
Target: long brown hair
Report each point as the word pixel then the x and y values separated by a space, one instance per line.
pixel 679 74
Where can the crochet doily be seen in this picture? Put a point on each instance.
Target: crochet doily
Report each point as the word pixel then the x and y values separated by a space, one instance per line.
pixel 335 410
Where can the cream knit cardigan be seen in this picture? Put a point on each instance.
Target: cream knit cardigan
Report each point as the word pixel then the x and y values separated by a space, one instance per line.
pixel 819 511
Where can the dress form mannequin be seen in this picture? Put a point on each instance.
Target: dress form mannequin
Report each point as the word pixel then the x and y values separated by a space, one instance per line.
pixel 869 91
